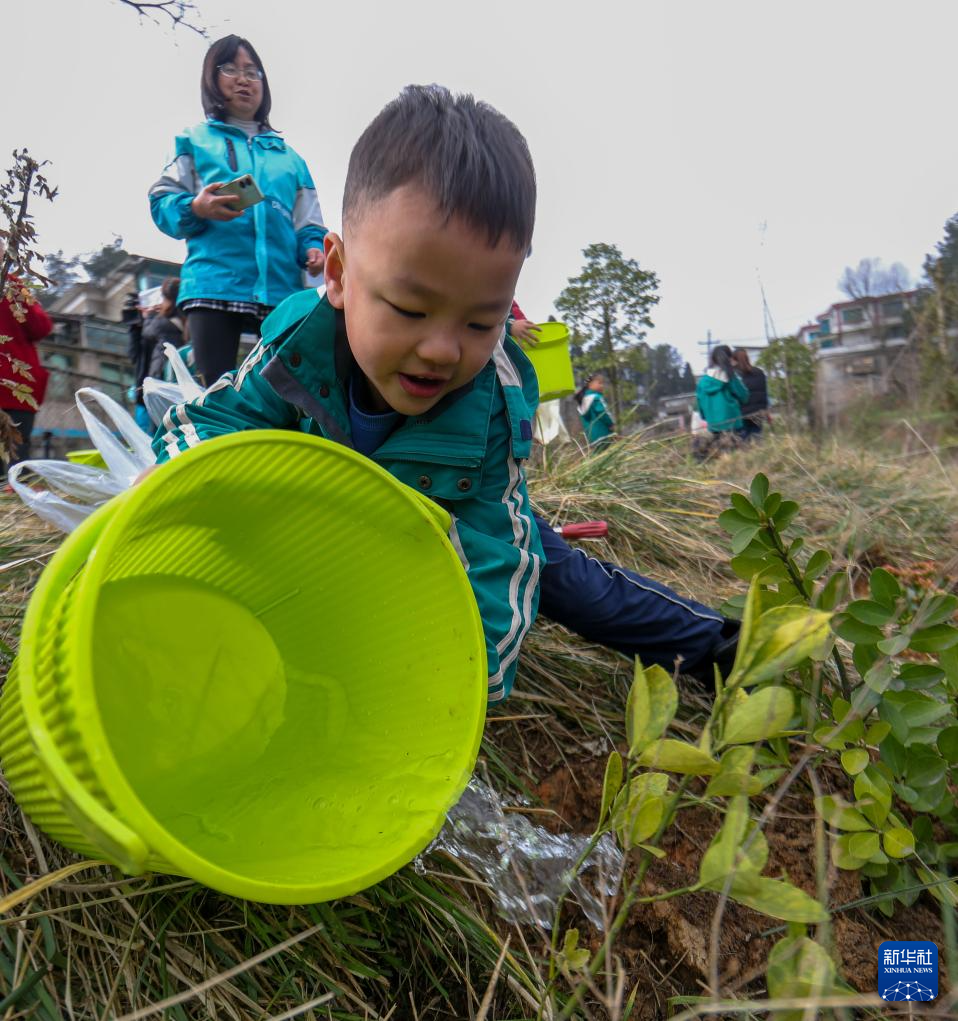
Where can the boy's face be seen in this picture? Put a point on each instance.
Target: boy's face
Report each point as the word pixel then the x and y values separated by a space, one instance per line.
pixel 425 301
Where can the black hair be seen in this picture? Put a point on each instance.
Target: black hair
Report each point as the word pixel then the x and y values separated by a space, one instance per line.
pixel 223 51
pixel 170 289
pixel 463 152
pixel 721 357
pixel 580 393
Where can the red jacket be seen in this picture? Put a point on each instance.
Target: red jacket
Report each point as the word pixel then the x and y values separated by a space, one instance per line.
pixel 516 312
pixel 19 362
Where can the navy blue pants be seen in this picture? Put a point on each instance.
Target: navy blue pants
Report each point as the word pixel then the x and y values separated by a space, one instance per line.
pixel 612 606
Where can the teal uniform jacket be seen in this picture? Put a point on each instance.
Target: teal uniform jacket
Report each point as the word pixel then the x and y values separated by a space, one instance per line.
pixel 720 400
pixel 258 257
pixel 596 420
pixel 466 453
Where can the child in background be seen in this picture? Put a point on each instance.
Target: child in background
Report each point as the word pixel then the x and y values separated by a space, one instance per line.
pixel 403 356
pixel 720 394
pixel 596 420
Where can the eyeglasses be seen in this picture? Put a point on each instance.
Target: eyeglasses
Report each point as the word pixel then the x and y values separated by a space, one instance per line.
pixel 253 74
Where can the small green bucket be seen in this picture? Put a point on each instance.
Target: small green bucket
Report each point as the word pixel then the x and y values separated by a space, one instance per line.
pixel 552 361
pixel 93 458
pixel 263 668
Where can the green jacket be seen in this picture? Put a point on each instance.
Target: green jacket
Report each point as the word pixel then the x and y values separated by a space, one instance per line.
pixel 466 453
pixel 720 400
pixel 596 420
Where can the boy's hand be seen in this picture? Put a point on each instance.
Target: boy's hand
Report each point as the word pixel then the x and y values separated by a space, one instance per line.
pixel 143 474
pixel 210 206
pixel 315 260
pixel 525 332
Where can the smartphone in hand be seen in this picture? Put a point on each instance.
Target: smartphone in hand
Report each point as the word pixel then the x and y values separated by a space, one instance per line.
pixel 245 191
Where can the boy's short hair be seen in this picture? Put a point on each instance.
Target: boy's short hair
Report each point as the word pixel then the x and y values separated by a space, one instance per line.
pixel 463 152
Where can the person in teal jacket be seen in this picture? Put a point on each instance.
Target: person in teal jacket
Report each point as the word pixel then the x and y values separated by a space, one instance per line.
pixel 596 419
pixel 404 357
pixel 240 264
pixel 720 393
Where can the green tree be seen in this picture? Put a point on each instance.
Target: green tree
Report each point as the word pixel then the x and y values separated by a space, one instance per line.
pixel 934 322
pixel 607 306
pixel 64 272
pixel 101 262
pixel 665 372
pixel 688 380
pixel 789 364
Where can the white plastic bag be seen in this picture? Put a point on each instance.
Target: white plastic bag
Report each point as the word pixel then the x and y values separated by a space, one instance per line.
pixel 159 395
pixel 549 425
pixel 74 491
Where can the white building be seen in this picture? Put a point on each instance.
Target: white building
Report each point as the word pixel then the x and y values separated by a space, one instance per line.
pixel 856 343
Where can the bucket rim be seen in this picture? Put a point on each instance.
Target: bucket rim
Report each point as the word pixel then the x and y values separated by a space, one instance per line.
pixel 131 809
pixel 551 335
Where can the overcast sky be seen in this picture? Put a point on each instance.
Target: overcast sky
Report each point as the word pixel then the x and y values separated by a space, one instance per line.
pixel 711 141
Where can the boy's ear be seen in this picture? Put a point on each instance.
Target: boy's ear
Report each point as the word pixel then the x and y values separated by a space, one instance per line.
pixel 334 269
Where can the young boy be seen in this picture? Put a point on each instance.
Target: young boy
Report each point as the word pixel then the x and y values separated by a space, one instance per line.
pixel 404 357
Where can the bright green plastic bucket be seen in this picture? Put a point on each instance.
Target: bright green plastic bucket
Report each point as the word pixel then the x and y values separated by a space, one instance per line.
pixel 551 359
pixel 91 457
pixel 263 669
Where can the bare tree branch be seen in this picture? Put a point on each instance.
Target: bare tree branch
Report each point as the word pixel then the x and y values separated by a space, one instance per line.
pixel 180 12
pixel 870 279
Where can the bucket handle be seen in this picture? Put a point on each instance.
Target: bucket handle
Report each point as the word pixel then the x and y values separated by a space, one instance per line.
pixel 100 827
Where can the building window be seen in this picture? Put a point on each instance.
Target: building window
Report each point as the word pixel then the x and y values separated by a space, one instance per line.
pixel 824 327
pixel 115 380
pixel 851 316
pixel 896 332
pixel 62 381
pixel 892 309
pixel 866 366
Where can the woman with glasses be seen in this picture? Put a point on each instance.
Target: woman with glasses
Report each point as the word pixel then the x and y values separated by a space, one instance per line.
pixel 241 262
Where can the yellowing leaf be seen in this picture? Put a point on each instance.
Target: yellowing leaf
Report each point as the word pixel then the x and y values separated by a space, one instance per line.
pixel 841 815
pixel 898 842
pixel 854 760
pixel 799 969
pixel 874 795
pixel 724 852
pixel 863 845
pixel 678 757
pixel 733 776
pixel 611 783
pixel 571 954
pixel 750 617
pixel 646 820
pixel 783 637
pixel 651 706
pixel 632 816
pixel 777 899
pixel 945 893
pixel 842 857
pixel 764 714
